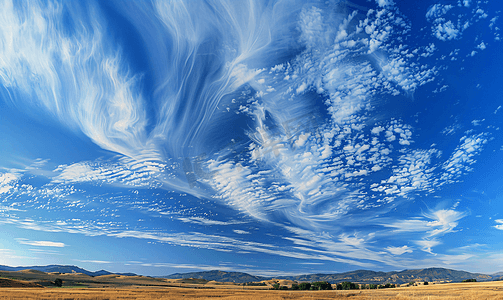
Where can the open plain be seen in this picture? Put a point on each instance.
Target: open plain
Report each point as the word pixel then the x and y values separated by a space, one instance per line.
pixel 451 291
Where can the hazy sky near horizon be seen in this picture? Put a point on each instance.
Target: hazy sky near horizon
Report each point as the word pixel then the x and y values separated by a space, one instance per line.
pixel 268 137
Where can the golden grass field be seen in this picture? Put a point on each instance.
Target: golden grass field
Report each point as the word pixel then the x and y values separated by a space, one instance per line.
pixel 452 291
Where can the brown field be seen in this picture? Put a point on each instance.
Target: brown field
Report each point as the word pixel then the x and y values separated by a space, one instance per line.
pixel 452 291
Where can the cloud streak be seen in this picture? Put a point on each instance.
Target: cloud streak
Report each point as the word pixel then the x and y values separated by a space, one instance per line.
pixel 41 243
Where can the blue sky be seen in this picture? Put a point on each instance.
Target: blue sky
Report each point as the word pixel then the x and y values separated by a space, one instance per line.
pixel 276 138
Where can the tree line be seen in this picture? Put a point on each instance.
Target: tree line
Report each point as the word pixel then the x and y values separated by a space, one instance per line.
pixel 324 285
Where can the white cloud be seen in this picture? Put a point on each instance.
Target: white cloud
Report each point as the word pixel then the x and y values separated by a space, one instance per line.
pixel 493 21
pixel 95 261
pixel 119 170
pixel 41 243
pixel 500 224
pixel 85 88
pixel 482 14
pixel 477 122
pixel 450 130
pixel 427 245
pixel 8 182
pixel 446 31
pixel 208 222
pixel 437 11
pixel 78 172
pixel 417 225
pixel 314 31
pixel 463 157
pixel 441 222
pixel 444 221
pixel 449 22
pixel 377 130
pixel 399 250
pixel 384 3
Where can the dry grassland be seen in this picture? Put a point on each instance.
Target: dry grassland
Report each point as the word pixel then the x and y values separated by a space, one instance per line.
pixel 456 291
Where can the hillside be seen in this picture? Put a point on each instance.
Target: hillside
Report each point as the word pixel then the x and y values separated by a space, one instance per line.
pixel 10 283
pixel 220 276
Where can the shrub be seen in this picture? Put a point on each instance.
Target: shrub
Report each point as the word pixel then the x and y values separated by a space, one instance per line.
pixel 470 280
pixel 275 286
pixel 426 283
pixel 295 286
pixel 58 282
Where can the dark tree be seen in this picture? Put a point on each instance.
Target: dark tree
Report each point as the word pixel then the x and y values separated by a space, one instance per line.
pixel 321 285
pixel 304 286
pixel 426 283
pixel 58 282
pixel 295 286
pixel 346 285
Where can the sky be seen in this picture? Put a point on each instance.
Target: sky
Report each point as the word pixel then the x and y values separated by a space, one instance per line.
pixel 267 137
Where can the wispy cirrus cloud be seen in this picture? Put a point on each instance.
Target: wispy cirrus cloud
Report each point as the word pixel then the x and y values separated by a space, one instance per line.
pixel 95 261
pixel 432 226
pixel 205 221
pixel 41 243
pixel 399 250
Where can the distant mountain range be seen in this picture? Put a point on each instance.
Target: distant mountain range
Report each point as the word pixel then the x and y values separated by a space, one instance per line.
pixel 406 276
pixel 62 269
pixel 498 276
pixel 359 276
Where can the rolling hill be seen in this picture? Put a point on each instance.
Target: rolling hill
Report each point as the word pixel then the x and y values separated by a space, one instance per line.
pixel 62 269
pixel 220 276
